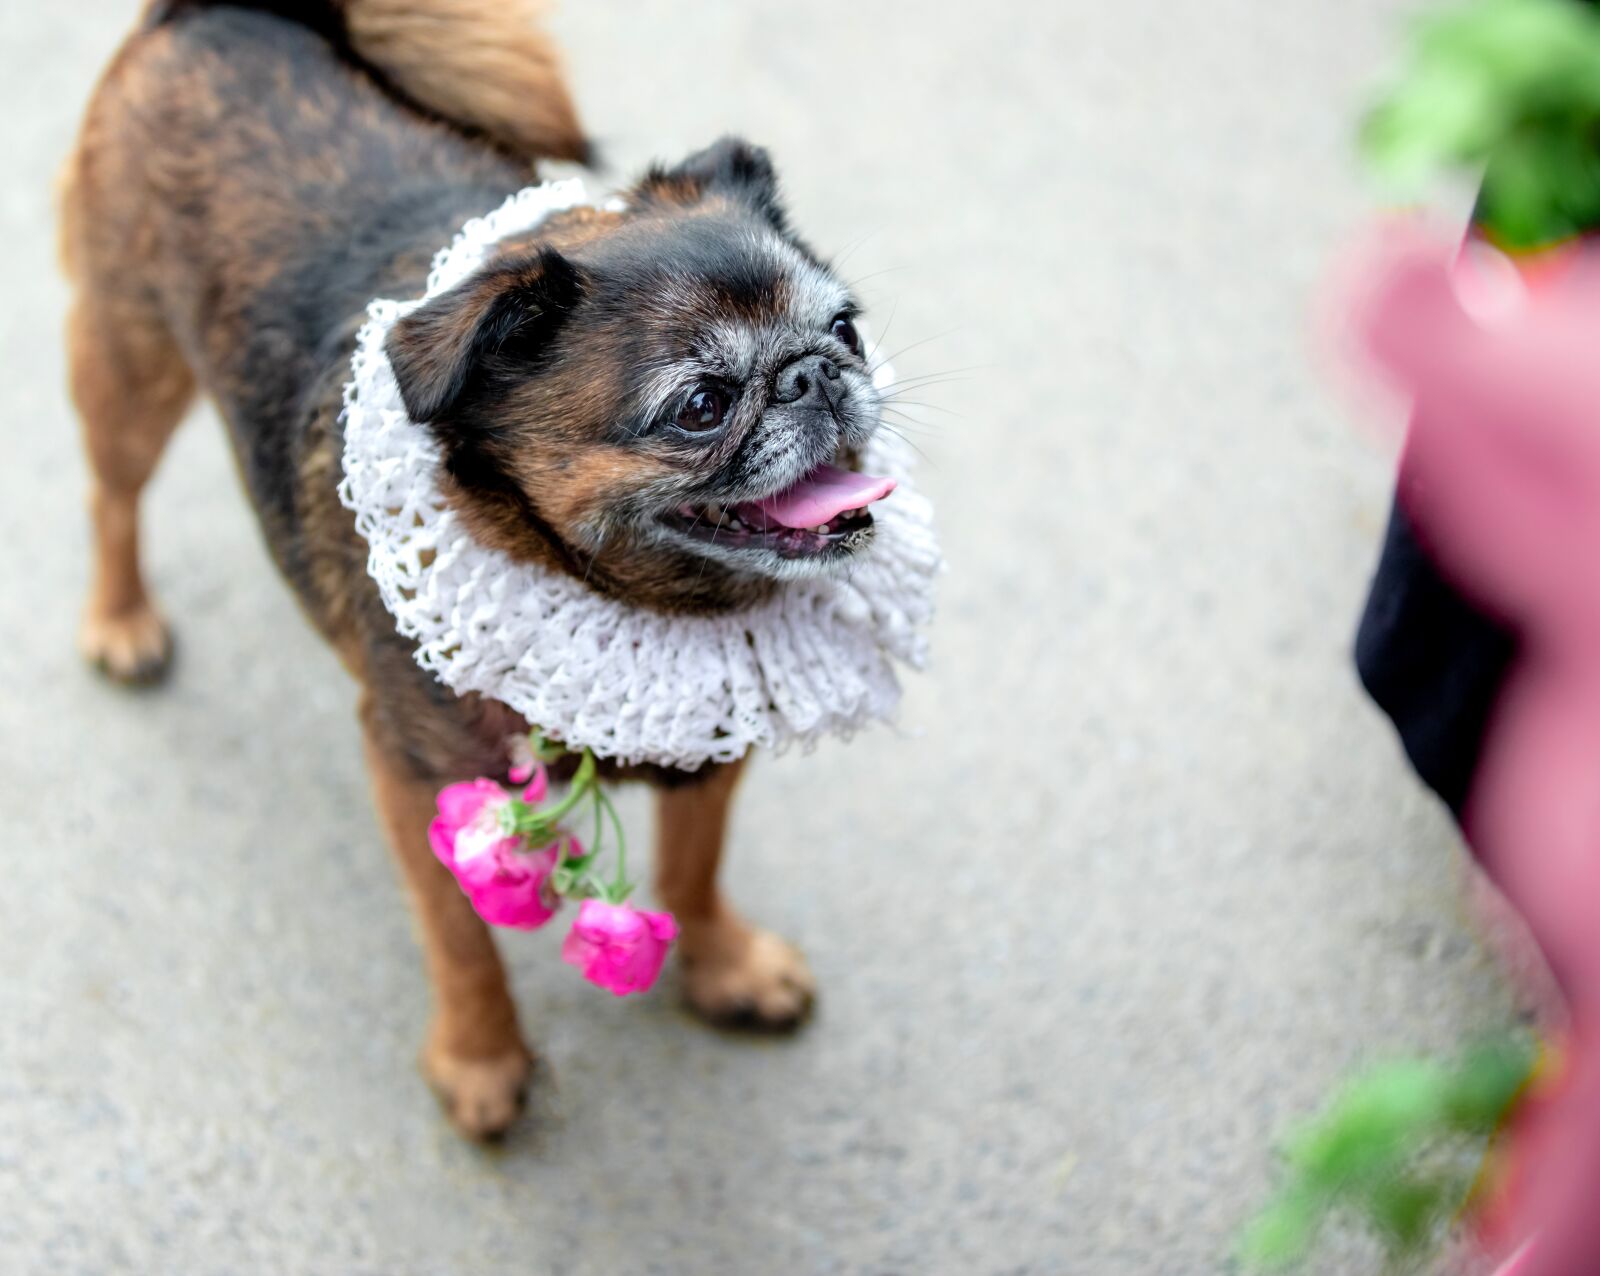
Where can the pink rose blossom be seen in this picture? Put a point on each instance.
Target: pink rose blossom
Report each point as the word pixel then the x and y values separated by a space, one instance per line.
pixel 507 883
pixel 617 946
pixel 519 893
pixel 469 813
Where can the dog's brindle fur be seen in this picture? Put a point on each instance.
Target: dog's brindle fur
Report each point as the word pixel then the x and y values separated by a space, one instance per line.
pixel 242 186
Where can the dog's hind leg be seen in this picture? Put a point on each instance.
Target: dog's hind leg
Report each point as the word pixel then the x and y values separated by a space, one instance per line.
pixel 131 387
pixel 474 1057
pixel 733 972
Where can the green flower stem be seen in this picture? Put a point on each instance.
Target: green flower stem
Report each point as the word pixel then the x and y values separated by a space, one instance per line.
pixel 573 876
pixel 620 888
pixel 582 780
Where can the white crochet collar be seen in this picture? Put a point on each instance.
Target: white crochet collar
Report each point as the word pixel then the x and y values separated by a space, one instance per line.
pixel 593 672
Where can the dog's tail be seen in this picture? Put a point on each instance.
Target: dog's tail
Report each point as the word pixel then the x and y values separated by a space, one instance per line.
pixel 486 66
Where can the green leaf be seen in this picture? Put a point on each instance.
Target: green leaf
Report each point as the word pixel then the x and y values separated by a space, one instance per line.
pixel 1511 84
pixel 1490 1079
pixel 1389 1146
pixel 1370 1126
pixel 1407 1213
pixel 547 751
pixel 1282 1233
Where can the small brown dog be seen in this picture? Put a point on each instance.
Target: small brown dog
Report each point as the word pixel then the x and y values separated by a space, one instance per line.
pixel 609 393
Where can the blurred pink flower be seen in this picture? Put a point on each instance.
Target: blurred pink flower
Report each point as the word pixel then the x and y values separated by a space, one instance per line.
pixel 507 883
pixel 619 947
pixel 1501 479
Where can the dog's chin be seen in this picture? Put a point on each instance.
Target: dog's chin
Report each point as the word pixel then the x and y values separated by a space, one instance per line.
pixel 770 550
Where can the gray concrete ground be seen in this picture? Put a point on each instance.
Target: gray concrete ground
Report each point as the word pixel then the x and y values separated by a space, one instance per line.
pixel 1141 875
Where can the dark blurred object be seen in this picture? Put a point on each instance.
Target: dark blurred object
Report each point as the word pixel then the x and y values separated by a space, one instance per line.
pixel 1432 661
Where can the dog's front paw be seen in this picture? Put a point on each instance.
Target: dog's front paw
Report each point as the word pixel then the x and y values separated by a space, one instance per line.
pixel 132 646
pixel 737 976
pixel 481 1097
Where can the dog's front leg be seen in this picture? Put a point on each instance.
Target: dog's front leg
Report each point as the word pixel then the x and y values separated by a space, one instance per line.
pixel 732 971
pixel 474 1057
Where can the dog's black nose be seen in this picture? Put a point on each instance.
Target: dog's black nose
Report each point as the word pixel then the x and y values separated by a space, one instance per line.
pixel 802 377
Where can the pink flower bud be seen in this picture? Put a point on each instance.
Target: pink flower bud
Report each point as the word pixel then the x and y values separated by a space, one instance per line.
pixel 526 769
pixel 538 784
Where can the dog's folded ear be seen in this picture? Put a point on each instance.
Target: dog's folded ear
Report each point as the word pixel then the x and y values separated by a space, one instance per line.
pixel 507 312
pixel 730 166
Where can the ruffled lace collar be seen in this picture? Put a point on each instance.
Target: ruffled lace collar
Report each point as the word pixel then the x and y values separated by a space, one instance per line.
pixel 818 657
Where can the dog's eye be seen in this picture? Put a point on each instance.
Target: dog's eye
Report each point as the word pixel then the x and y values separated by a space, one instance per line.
pixel 704 410
pixel 845 333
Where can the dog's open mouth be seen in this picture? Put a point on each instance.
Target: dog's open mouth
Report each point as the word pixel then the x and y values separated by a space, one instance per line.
pixel 824 512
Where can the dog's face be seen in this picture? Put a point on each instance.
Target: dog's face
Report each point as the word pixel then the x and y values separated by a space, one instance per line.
pixel 667 400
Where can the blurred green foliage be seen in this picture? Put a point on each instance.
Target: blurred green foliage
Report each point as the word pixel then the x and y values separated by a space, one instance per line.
pixel 1513 86
pixel 1399 1147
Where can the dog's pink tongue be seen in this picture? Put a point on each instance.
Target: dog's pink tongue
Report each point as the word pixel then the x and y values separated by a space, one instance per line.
pixel 824 494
